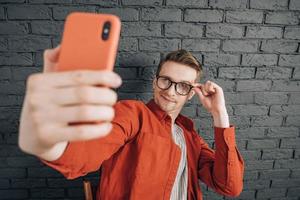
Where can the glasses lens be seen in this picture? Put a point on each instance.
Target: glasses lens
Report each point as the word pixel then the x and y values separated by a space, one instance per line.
pixel 183 88
pixel 163 83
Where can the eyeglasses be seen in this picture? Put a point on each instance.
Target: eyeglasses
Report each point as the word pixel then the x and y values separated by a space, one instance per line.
pixel 181 88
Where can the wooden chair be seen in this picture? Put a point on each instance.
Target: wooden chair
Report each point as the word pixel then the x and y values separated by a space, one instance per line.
pixel 88 190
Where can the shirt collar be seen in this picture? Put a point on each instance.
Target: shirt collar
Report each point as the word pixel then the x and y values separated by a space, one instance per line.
pixel 181 120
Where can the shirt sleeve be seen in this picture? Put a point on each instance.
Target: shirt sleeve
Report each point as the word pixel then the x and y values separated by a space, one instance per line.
pixel 222 169
pixel 80 158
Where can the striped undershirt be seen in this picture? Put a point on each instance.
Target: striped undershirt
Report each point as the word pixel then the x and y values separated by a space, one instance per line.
pixel 179 190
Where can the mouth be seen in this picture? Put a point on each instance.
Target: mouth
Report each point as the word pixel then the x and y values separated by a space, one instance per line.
pixel 167 99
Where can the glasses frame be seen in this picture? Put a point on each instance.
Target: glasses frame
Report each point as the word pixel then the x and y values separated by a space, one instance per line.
pixel 175 83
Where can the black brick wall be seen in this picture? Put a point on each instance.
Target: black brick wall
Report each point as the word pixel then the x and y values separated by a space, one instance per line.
pixel 249 47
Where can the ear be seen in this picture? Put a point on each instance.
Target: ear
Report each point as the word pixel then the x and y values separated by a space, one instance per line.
pixel 192 93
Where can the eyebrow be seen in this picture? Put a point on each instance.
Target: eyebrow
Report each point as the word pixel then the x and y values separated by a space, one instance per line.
pixel 181 81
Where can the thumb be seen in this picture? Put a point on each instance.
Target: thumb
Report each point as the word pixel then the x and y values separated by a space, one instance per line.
pixel 51 59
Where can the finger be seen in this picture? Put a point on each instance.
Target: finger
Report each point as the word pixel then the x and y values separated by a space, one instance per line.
pixel 73 114
pixel 41 81
pixel 53 134
pixel 199 93
pixel 85 95
pixel 51 58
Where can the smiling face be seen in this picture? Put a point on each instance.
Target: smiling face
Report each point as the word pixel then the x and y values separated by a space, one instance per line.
pixel 169 100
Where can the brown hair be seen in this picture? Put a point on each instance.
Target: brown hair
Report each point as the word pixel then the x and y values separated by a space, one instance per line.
pixel 183 57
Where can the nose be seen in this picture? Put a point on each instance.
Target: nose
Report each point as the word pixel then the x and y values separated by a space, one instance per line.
pixel 171 91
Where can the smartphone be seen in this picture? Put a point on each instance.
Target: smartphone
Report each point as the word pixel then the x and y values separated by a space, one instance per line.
pixel 89 42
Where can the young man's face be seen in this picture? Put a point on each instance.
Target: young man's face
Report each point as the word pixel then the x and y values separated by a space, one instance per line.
pixel 169 100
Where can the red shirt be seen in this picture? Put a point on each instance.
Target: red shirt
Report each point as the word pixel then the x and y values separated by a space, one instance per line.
pixel 139 158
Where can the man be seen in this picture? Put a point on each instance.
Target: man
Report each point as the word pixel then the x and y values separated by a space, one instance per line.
pixel 145 151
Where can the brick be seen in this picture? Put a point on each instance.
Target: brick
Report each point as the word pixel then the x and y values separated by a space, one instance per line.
pixel 196 15
pixel 219 59
pixel 277 154
pixel 256 184
pixel 293 192
pixel 246 16
pixel 250 110
pixel 12 173
pixel 28 183
pixel 2 16
pixel 47 193
pixel 225 4
pixel 290 143
pixel 262 144
pixel 294 5
pixel 292 33
pixel 250 155
pixel 236 72
pixel 284 110
pixel 5 73
pixel 47 27
pixel 28 12
pixel 295 173
pixel 269 4
pixel 128 44
pixel 289 18
pixel 267 121
pixel 29 43
pixel 285 183
pixel 239 98
pixel 259 165
pixel 159 14
pixel 189 112
pixel 23 162
pixel 142 2
pixel 292 121
pixel 126 73
pixel 61 183
pixel 145 29
pixel 259 59
pixel 159 44
pixel 287 164
pixel 296 74
pixel 42 172
pixel 14 194
pixel 136 86
pixel 285 86
pixel 289 60
pixel 3 44
pixel 274 174
pixel 279 46
pixel 253 85
pixel 10 150
pixel 294 97
pixel 125 14
pixel 183 30
pixel 273 73
pixel 4 183
pixel 21 59
pixel 138 59
pixel 187 3
pixel 240 46
pixel 60 13
pixel 147 73
pixel 15 28
pixel 250 132
pixel 268 98
pixel 268 193
pixel 224 31
pixel 207 45
pixel 263 32
pixel 97 2
pixel 50 1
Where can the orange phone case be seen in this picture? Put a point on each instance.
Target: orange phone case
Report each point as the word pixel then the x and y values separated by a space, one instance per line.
pixel 82 46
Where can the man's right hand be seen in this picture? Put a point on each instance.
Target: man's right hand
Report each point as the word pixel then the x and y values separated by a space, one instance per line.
pixel 54 100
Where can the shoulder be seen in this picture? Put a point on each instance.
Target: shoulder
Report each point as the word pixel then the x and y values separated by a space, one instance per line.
pixel 129 105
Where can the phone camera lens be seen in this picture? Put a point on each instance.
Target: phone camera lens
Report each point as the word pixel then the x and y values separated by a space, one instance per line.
pixel 106 30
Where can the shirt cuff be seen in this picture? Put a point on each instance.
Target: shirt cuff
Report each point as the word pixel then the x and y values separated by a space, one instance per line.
pixel 225 137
